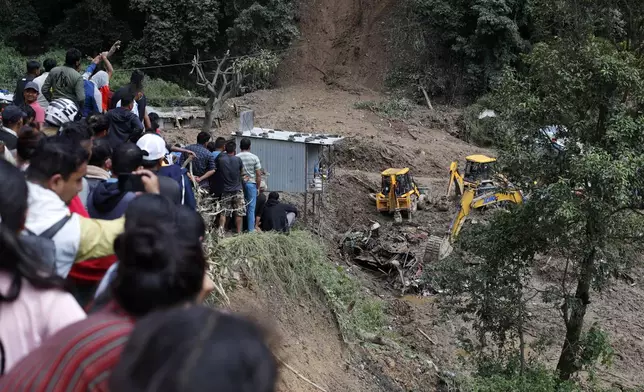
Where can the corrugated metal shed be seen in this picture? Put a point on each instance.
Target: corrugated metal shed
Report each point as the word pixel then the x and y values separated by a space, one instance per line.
pixel 289 157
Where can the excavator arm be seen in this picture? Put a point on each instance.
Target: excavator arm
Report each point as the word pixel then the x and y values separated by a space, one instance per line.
pixel 470 202
pixel 455 179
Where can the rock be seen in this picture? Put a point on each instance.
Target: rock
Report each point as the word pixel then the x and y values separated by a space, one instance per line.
pixel 390 362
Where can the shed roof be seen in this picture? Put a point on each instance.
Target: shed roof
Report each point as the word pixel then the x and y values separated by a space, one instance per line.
pixel 287 136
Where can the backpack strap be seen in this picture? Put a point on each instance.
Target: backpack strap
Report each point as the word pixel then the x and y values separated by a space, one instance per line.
pixel 52 231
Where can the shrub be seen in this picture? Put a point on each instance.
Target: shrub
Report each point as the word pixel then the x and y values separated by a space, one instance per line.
pixel 296 265
pixel 259 71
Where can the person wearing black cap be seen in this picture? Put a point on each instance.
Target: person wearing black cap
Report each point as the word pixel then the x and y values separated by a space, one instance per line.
pixel 12 121
pixel 33 71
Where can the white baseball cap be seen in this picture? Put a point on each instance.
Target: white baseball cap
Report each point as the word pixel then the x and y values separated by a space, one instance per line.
pixel 153 145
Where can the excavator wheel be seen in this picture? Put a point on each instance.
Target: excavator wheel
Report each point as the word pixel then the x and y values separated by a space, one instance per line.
pixel 437 248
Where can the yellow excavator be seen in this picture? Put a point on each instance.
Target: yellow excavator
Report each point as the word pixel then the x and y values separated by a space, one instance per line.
pixel 478 192
pixel 398 193
pixel 478 170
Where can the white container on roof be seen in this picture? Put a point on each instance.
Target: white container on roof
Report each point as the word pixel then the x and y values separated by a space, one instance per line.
pixel 287 136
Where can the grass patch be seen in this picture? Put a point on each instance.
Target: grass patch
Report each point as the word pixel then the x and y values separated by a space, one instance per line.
pixel 392 109
pixel 297 266
pixel 13 65
pixel 159 92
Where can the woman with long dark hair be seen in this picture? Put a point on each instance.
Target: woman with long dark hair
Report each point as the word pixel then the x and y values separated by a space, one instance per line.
pixel 159 268
pixel 33 303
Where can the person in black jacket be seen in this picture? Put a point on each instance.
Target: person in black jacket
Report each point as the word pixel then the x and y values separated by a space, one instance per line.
pixel 278 216
pixel 125 126
pixel 33 71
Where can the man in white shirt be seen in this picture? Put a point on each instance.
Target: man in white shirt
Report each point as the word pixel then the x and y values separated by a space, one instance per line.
pixel 48 65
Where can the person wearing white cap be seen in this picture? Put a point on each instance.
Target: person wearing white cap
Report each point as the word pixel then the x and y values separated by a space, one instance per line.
pixel 154 159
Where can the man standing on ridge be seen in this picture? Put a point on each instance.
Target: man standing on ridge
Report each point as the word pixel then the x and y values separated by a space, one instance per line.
pixel 65 81
pixel 253 174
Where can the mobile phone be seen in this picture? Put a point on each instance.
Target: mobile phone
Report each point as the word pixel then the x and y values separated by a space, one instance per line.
pixel 130 183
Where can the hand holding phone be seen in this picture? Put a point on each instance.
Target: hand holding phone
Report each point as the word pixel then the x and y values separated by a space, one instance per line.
pixel 130 183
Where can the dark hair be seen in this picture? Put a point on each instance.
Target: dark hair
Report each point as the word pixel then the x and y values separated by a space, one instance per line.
pixel 49 64
pixel 32 66
pixel 127 100
pixel 203 138
pixel 273 196
pixel 211 146
pixel 98 123
pixel 154 120
pixel 76 131
pixel 126 158
pixel 190 224
pixel 244 145
pixel 192 349
pixel 15 258
pixel 158 268
pixel 136 79
pixel 220 143
pixel 231 147
pixel 101 152
pixel 27 142
pixel 72 57
pixel 30 113
pixel 56 155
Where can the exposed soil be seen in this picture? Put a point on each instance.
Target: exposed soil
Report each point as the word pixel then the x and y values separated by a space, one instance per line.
pixel 342 42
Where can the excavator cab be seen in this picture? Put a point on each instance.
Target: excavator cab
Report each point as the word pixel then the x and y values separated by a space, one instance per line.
pixel 479 169
pixel 398 192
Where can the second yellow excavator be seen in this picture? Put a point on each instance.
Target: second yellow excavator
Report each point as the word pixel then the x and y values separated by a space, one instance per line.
pixel 484 196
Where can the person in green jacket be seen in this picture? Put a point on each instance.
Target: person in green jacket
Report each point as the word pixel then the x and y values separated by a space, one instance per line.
pixel 65 81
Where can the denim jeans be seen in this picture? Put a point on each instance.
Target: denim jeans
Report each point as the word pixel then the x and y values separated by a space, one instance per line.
pixel 251 201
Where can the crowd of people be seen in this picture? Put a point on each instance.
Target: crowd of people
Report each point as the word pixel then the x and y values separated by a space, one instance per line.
pixel 102 268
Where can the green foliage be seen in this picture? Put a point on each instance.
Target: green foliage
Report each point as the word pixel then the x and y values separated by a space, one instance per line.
pixel 90 27
pixel 296 264
pixel 394 108
pixel 581 203
pixel 19 23
pixel 268 24
pixel 13 65
pixel 535 378
pixel 463 46
pixel 174 27
pixel 258 70
pixel 160 92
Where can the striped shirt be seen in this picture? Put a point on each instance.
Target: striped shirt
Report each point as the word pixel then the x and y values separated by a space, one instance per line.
pixel 251 164
pixel 79 357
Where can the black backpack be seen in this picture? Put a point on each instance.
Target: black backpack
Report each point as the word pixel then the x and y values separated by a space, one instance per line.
pixel 43 246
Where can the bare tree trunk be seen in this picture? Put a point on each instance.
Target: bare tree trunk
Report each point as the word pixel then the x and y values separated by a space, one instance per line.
pixel 574 319
pixel 223 86
pixel 210 114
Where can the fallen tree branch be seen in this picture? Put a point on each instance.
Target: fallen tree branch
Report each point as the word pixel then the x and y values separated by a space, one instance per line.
pixel 289 367
pixel 429 103
pixel 426 336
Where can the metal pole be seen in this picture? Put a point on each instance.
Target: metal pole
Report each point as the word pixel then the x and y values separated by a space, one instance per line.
pixel 306 185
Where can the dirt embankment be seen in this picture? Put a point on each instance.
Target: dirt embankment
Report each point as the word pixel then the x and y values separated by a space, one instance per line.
pixel 341 39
